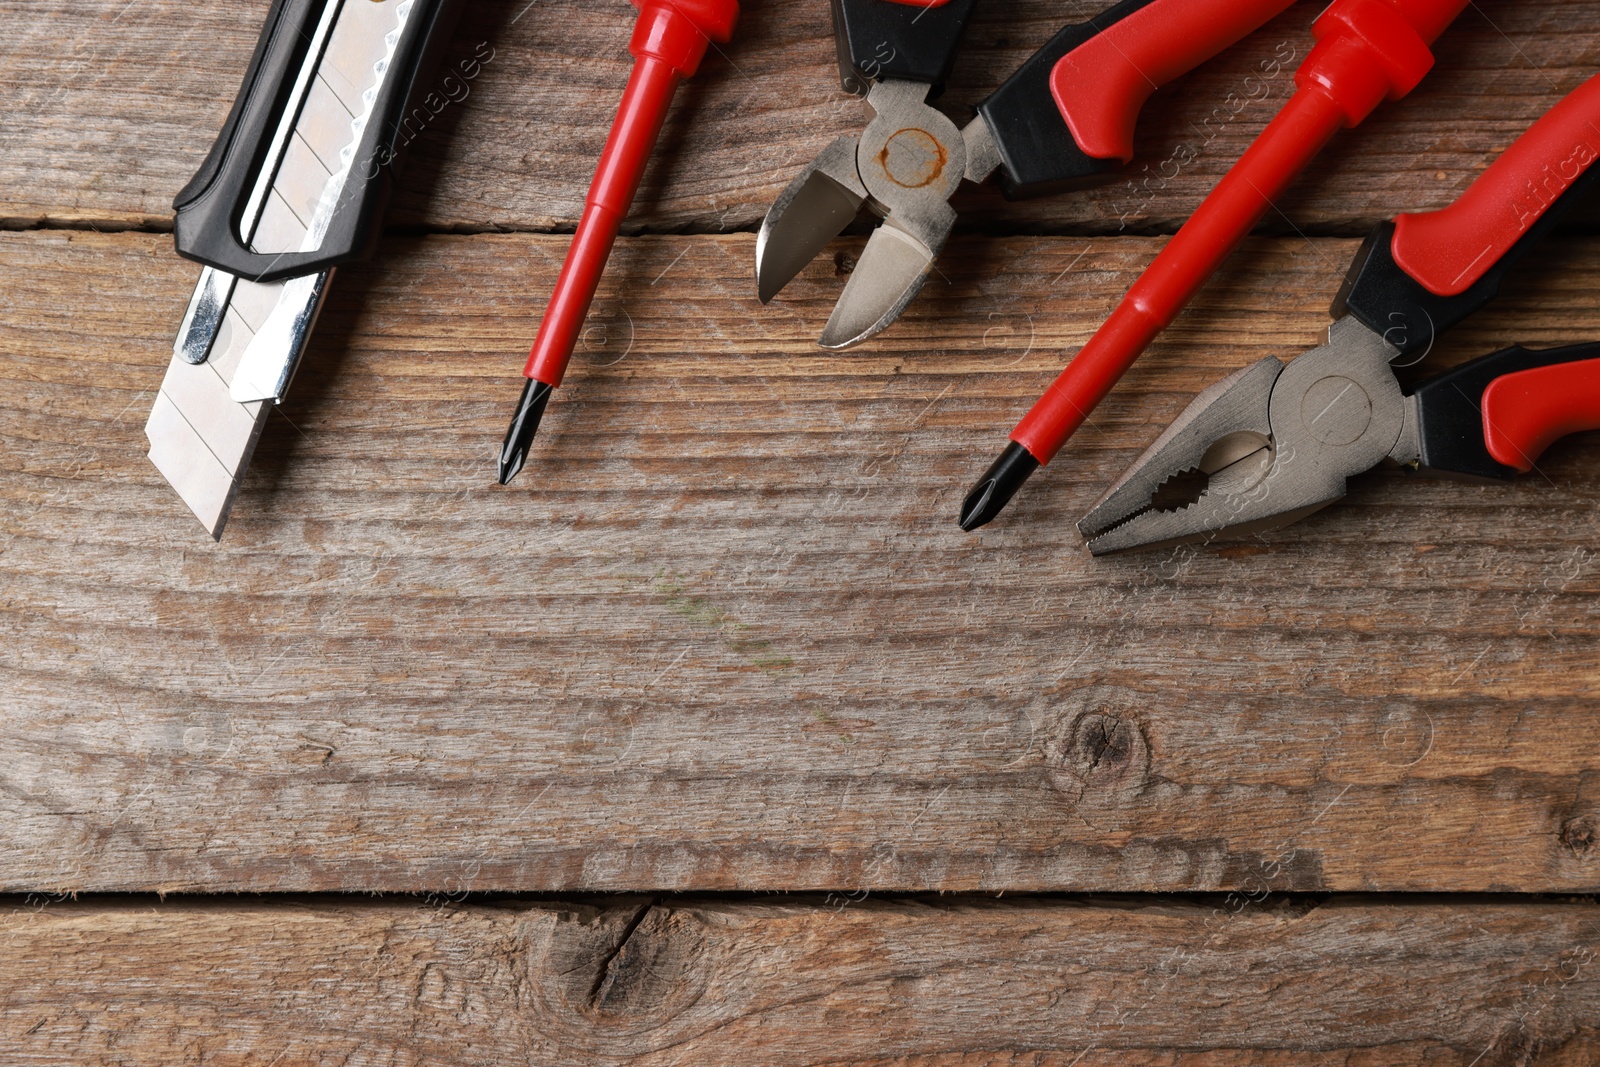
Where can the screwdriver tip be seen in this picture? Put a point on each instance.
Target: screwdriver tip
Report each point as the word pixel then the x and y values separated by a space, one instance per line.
pixel 997 486
pixel 524 424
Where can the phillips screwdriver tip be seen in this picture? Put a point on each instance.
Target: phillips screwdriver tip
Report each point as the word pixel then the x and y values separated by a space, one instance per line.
pixel 997 486
pixel 524 424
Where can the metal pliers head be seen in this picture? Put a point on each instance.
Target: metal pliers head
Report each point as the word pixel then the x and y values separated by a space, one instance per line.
pixel 1275 442
pixel 1262 448
pixel 905 167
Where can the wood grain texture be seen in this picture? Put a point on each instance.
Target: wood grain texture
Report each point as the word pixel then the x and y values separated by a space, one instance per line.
pixel 872 984
pixel 724 633
pixel 120 102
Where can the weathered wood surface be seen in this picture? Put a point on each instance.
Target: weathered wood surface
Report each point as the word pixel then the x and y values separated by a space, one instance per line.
pixel 931 984
pixel 114 105
pixel 724 634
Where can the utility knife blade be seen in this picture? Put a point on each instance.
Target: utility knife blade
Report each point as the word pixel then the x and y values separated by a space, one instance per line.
pixel 294 185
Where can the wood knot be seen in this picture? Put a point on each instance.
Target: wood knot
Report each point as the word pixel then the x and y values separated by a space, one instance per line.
pixel 1580 834
pixel 1101 752
pixel 1100 758
pixel 844 264
pixel 618 977
pixel 1102 744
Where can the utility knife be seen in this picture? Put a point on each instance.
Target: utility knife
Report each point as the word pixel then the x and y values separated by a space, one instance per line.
pixel 295 185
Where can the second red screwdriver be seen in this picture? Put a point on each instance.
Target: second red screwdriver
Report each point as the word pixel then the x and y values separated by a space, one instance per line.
pixel 1367 51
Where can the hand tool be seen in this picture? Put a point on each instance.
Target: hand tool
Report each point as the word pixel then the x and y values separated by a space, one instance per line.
pixel 294 185
pixel 1366 51
pixel 1063 120
pixel 669 41
pixel 1275 442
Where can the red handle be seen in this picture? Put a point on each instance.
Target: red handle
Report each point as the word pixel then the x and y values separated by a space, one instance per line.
pixel 1366 51
pixel 1449 250
pixel 677 32
pixel 1527 412
pixel 669 40
pixel 1369 51
pixel 1101 85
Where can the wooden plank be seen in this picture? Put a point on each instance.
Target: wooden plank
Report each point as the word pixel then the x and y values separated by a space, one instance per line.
pixel 123 101
pixel 723 634
pixel 647 983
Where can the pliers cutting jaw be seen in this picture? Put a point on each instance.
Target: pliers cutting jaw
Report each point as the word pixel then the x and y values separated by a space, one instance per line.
pixel 1263 448
pixel 905 167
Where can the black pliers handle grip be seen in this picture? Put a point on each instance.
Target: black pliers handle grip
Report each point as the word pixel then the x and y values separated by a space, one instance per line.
pixel 1066 117
pixel 905 40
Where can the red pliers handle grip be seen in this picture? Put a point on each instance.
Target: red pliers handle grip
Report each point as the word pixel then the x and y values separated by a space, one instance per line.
pixel 1101 85
pixel 1527 411
pixel 1423 273
pixel 1066 117
pixel 1491 419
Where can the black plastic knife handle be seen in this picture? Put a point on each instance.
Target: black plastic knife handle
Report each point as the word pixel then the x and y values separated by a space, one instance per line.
pixel 210 209
pixel 905 41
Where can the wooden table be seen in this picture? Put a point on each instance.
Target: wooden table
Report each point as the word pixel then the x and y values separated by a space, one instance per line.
pixel 712 740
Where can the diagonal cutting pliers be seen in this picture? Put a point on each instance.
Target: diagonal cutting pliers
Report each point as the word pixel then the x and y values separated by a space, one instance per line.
pixel 1065 119
pixel 1275 442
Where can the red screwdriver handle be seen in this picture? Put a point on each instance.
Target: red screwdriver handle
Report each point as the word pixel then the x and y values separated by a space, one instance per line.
pixel 1367 51
pixel 1102 85
pixel 669 41
pixel 1450 250
pixel 678 32
pixel 1527 412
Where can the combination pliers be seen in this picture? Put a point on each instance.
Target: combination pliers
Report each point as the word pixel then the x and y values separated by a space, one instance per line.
pixel 1275 442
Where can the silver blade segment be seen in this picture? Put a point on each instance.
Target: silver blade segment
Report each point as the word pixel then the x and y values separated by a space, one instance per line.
pixel 240 341
pixel 911 159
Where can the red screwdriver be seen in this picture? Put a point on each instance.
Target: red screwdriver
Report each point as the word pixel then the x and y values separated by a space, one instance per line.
pixel 1367 51
pixel 669 41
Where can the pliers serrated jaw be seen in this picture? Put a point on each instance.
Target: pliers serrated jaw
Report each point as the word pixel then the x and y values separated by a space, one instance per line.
pixel 1263 448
